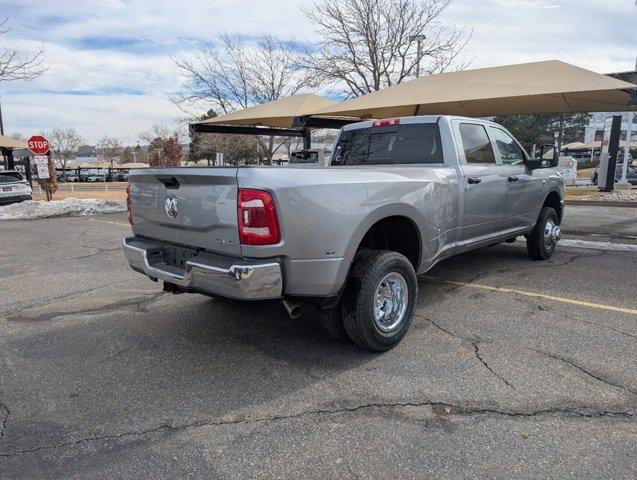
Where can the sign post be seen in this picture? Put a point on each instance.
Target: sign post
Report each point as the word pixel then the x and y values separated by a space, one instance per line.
pixel 608 154
pixel 623 183
pixel 39 146
pixel 42 165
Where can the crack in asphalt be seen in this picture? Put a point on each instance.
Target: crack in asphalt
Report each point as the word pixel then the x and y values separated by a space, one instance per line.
pixel 573 257
pixel 474 346
pixel 586 372
pixel 5 419
pixel 538 306
pixel 476 351
pixel 100 251
pixel 139 303
pixel 439 408
pixel 600 325
pixel 81 234
pixel 66 296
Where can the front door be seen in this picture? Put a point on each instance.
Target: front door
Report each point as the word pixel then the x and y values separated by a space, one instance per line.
pixel 485 188
pixel 523 189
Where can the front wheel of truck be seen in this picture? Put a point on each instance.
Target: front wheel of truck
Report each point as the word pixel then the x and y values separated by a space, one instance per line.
pixel 541 242
pixel 379 299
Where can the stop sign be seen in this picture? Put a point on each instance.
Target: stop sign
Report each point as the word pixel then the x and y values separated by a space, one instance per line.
pixel 38 145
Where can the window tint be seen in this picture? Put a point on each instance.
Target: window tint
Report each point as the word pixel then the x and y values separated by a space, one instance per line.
pixel 477 148
pixel 403 144
pixel 510 151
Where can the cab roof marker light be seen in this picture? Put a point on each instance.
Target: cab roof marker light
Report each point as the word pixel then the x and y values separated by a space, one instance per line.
pixel 386 122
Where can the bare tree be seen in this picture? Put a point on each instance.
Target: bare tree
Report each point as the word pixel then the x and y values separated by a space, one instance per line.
pixel 236 149
pixel 154 132
pixel 108 149
pixel 64 144
pixel 18 65
pixel 368 44
pixel 239 74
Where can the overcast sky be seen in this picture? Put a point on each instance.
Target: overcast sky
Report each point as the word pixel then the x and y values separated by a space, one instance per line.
pixel 110 68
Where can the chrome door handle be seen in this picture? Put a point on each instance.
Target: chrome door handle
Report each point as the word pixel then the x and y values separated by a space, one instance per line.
pixel 473 180
pixel 513 179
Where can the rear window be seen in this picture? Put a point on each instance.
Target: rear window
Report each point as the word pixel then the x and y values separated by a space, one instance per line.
pixel 10 177
pixel 477 147
pixel 395 145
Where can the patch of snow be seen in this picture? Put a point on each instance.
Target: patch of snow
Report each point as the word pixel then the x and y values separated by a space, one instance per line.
pixel 615 196
pixel 574 243
pixel 69 207
pixel 618 247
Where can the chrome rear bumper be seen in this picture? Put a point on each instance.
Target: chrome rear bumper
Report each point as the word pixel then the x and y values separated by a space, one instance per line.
pixel 228 277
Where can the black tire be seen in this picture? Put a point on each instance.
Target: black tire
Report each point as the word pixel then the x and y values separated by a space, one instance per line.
pixel 536 246
pixel 369 269
pixel 332 321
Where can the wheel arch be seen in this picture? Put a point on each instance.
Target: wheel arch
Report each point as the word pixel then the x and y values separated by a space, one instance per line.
pixel 399 215
pixel 553 199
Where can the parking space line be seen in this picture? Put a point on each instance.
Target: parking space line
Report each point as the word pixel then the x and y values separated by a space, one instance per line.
pixel 571 301
pixel 106 221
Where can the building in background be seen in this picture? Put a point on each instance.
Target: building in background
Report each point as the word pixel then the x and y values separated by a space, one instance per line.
pixel 594 130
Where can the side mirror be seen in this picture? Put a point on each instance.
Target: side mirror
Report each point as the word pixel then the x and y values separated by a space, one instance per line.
pixel 548 158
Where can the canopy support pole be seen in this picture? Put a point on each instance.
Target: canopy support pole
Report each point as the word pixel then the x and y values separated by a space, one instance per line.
pixel 307 139
pixel 7 153
pixel 560 136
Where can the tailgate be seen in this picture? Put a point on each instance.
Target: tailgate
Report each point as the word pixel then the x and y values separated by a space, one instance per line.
pixel 187 206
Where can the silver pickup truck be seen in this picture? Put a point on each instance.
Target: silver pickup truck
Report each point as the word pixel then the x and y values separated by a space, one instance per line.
pixel 399 196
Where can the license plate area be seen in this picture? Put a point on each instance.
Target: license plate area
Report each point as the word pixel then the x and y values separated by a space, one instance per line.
pixel 178 256
pixel 6 189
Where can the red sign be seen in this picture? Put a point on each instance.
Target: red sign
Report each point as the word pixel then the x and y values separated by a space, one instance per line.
pixel 38 145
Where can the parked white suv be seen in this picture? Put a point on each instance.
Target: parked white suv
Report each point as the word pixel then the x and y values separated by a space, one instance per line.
pixel 13 188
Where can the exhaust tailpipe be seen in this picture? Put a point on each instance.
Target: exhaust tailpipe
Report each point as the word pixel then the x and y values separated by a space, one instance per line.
pixel 294 309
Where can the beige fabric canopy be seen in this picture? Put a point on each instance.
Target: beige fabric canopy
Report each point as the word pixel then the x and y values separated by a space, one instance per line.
pixel 597 145
pixel 540 87
pixel 8 142
pixel 279 113
pixel 573 146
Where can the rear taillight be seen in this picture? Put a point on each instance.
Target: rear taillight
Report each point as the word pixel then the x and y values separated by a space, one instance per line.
pixel 386 122
pixel 258 223
pixel 128 204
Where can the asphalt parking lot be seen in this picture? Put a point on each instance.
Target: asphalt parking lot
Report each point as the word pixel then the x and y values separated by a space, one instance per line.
pixel 104 376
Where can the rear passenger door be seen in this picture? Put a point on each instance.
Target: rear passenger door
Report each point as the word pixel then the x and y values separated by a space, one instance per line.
pixel 485 189
pixel 523 189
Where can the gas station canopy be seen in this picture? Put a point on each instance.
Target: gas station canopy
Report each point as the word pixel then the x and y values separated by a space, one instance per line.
pixel 540 87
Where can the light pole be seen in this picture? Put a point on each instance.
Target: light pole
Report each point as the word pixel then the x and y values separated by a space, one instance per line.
pixel 419 39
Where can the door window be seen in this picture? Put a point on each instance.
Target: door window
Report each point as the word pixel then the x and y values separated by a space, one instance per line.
pixel 477 147
pixel 510 151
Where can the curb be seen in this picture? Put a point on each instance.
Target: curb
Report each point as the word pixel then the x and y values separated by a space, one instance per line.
pixel 602 203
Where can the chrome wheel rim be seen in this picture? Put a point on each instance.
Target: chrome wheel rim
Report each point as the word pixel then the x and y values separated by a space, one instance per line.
pixel 552 234
pixel 390 302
